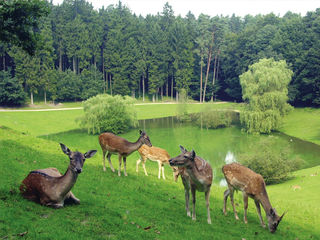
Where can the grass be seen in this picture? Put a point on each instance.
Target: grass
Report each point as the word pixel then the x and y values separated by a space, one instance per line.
pixel 303 123
pixel 42 123
pixel 137 206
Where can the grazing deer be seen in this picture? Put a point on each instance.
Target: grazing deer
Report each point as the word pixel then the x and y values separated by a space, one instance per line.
pixel 196 174
pixel 155 154
pixel 252 185
pixel 114 144
pixel 48 187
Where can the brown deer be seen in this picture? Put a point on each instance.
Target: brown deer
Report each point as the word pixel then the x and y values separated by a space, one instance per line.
pixel 252 185
pixel 155 154
pixel 196 174
pixel 48 187
pixel 114 144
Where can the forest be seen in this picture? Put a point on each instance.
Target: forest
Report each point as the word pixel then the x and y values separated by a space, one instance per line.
pixel 85 52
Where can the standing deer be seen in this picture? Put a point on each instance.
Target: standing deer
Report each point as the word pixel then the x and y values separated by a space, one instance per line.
pixel 196 173
pixel 155 154
pixel 114 144
pixel 252 185
pixel 48 187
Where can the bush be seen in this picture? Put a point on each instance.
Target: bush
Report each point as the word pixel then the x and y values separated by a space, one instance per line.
pixel 272 162
pixel 11 91
pixel 105 113
pixel 212 119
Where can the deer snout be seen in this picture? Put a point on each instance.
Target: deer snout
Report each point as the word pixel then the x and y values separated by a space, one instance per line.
pixel 171 162
pixel 79 170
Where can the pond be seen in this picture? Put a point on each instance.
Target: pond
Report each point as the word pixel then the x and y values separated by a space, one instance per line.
pixel 218 146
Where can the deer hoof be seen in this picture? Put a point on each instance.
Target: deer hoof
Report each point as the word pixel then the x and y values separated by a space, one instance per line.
pixel 104 169
pixel 236 216
pixel 188 214
pixel 209 221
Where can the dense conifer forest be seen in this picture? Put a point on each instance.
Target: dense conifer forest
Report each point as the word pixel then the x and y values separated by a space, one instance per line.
pixel 85 51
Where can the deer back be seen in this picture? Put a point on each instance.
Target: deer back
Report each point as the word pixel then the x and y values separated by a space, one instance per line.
pixel 154 153
pixel 113 143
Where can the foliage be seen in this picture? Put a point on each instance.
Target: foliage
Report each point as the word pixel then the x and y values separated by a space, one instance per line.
pixel 274 164
pixel 91 83
pixel 265 89
pixel 212 119
pixel 19 21
pixel 11 91
pixel 105 113
pixel 68 86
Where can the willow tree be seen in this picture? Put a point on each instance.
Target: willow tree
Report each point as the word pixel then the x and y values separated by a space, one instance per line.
pixel 265 91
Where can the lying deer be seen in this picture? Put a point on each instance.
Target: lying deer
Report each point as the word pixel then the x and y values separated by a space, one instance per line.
pixel 252 185
pixel 196 174
pixel 48 187
pixel 155 154
pixel 114 144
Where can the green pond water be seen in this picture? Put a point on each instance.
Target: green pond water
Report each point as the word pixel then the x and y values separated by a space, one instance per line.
pixel 218 146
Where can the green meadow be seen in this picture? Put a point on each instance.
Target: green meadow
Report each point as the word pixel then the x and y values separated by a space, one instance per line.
pixel 138 206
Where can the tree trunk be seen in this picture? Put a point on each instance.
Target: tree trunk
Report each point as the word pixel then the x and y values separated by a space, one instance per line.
pixel 177 96
pixel 214 75
pixel 143 88
pixel 153 98
pixel 110 84
pixel 133 93
pixel 167 88
pixel 172 88
pixel 201 80
pixel 31 97
pixel 208 68
pixel 161 92
pixel 74 64
pixel 4 61
pixel 60 60
pixel 45 97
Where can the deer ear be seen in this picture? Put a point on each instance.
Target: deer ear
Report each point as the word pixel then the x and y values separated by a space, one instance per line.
pixel 140 131
pixel 193 154
pixel 64 148
pixel 183 150
pixel 90 153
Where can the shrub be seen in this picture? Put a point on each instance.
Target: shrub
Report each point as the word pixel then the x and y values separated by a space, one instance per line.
pixel 273 163
pixel 212 119
pixel 182 108
pixel 11 91
pixel 106 113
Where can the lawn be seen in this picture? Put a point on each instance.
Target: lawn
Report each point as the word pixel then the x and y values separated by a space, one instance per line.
pixel 137 206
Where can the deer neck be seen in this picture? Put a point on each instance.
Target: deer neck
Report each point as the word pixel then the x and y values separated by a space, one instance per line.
pixel 135 145
pixel 66 182
pixel 195 174
pixel 264 200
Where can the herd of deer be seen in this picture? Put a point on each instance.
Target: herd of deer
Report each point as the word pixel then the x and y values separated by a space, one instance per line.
pixel 48 187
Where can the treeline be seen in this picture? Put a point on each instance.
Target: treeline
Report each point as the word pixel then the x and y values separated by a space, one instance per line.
pixel 86 51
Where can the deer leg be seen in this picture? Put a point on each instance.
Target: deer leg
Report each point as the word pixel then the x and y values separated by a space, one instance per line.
pixel 104 160
pixel 232 203
pixel 73 198
pixel 144 166
pixel 225 198
pixel 163 172
pixel 207 195
pixel 187 194
pixel 159 165
pixel 245 205
pixel 108 156
pixel 119 169
pixel 137 165
pixel 193 192
pixel 125 166
pixel 259 213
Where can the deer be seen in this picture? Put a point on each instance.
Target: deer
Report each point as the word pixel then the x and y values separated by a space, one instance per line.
pixel 114 144
pixel 155 154
pixel 49 187
pixel 252 185
pixel 196 174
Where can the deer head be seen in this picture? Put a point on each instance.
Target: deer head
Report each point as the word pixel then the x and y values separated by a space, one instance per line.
pixel 76 158
pixel 273 220
pixel 145 138
pixel 185 159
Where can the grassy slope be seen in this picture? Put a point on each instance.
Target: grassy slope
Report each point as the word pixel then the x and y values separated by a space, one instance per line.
pixel 120 208
pixel 303 123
